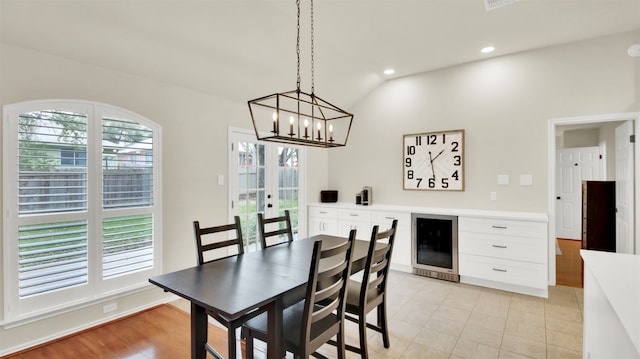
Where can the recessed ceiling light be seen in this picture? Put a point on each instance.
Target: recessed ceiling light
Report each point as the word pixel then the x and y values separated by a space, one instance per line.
pixel 389 71
pixel 488 49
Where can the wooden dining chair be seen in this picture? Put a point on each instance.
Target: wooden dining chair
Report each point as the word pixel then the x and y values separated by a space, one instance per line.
pixel 284 228
pixel 217 245
pixel 307 325
pixel 371 292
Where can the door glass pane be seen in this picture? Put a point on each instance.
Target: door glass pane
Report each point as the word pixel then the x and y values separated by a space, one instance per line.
pixel 288 184
pixel 251 189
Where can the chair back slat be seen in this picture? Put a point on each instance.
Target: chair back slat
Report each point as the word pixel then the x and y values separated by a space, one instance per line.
pixel 376 269
pixel 265 234
pixel 330 291
pixel 379 266
pixel 327 284
pixel 206 244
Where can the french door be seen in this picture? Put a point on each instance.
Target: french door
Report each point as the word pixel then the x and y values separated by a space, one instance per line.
pixel 264 177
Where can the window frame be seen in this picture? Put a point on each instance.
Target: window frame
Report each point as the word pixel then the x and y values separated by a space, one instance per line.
pixel 22 310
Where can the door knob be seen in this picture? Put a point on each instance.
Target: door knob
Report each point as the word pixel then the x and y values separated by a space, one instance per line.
pixel 269 205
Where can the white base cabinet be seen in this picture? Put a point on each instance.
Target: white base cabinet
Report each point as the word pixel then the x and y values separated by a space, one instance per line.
pixel 357 219
pixel 338 221
pixel 503 254
pixel 502 250
pixel 323 220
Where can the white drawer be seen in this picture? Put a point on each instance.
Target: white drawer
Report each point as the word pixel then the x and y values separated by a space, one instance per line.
pixel 354 215
pixel 506 247
pixel 384 219
pixel 323 212
pixel 501 270
pixel 502 226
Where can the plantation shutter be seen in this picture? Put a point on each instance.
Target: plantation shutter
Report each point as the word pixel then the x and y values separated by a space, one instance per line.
pixel 127 170
pixel 52 255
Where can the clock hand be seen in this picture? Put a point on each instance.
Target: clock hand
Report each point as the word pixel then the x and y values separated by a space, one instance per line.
pixel 431 160
pixel 437 155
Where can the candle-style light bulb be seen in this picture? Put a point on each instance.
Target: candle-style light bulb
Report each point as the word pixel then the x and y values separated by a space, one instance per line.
pixel 319 126
pixel 330 132
pixel 275 122
pixel 291 120
pixel 306 127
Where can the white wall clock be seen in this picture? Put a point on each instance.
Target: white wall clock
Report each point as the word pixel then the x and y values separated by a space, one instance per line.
pixel 433 161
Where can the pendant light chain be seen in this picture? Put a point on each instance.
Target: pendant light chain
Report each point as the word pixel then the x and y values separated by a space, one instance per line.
pixel 312 54
pixel 298 44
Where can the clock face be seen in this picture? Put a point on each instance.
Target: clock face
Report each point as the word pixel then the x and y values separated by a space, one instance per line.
pixel 433 161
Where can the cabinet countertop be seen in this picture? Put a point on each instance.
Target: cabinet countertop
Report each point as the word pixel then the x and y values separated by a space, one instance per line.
pixel 618 275
pixel 528 216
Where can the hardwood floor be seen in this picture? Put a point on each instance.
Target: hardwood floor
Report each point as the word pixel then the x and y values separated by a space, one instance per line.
pixel 569 267
pixel 160 332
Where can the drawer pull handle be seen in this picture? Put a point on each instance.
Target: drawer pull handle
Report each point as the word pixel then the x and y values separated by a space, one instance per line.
pixel 323 212
pixel 499 246
pixel 354 215
pixel 499 227
pixel 499 269
pixel 390 218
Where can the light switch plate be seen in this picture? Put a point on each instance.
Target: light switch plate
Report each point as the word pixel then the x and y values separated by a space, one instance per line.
pixel 526 180
pixel 503 180
pixel 220 180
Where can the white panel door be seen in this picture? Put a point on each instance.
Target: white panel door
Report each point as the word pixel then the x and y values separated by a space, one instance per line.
pixel 573 166
pixel 624 189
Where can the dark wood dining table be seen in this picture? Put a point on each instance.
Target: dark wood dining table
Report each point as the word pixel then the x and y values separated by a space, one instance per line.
pixel 237 285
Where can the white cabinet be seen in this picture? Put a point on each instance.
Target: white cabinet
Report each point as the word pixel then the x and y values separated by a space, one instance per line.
pixel 504 254
pixel 358 219
pixel 340 219
pixel 611 297
pixel 323 220
pixel 401 257
pixel 500 250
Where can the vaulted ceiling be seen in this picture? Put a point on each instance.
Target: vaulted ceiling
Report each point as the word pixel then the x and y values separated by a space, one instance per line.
pixel 242 49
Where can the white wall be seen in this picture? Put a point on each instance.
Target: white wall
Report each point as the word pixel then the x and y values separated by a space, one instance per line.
pixel 194 153
pixel 503 104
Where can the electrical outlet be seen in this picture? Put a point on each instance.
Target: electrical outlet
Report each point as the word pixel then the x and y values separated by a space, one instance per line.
pixel 493 196
pixel 109 308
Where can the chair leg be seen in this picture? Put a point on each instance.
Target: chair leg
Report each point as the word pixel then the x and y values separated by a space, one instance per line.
pixel 382 323
pixel 362 327
pixel 341 345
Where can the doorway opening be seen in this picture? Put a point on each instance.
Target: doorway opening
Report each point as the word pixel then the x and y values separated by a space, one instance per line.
pixel 581 135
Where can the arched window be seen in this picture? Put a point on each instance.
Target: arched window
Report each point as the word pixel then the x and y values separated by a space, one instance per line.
pixel 82 214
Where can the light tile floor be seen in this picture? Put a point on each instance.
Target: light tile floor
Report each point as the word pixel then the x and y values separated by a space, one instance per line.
pixel 430 318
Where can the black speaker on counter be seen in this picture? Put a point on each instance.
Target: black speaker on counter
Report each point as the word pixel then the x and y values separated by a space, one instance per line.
pixel 328 196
